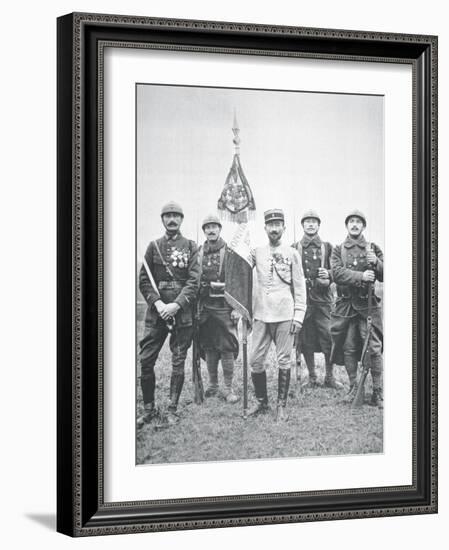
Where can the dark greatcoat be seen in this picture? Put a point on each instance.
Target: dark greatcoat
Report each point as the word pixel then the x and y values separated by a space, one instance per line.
pixel 217 330
pixel 315 333
pixel 348 262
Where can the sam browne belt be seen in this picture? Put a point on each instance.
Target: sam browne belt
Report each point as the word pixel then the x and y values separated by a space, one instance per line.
pixel 170 285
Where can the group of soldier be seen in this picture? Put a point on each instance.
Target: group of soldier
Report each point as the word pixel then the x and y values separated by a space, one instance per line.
pixel 294 305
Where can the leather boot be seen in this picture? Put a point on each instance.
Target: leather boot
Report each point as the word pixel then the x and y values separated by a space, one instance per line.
pixel 147 416
pixel 351 365
pixel 329 379
pixel 148 384
pixel 296 387
pixel 283 385
pixel 176 384
pixel 377 399
pixel 260 388
pixel 212 358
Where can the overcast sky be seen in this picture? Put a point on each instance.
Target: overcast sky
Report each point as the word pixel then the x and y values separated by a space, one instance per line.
pixel 299 150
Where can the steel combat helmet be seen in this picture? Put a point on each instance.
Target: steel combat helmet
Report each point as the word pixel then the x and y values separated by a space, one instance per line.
pixel 310 214
pixel 211 218
pixel 356 214
pixel 172 208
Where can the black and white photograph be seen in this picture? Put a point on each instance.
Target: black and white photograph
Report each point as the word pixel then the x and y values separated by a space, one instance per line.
pixel 259 273
pixel 247 289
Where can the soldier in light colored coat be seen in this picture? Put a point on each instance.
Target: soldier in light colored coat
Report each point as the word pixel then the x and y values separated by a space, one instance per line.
pixel 279 309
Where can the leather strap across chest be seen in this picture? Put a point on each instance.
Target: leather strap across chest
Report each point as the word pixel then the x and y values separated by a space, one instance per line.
pixel 323 252
pixel 165 264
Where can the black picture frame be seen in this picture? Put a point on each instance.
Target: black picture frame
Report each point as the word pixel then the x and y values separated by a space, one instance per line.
pixel 81 510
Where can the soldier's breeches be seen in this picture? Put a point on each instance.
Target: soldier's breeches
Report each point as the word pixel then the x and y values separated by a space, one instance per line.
pixel 152 342
pixel 263 335
pixel 352 343
pixel 180 342
pixel 351 350
pixel 375 343
pixel 355 336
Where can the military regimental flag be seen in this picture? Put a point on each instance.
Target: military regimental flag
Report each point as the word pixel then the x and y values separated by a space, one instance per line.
pixel 236 204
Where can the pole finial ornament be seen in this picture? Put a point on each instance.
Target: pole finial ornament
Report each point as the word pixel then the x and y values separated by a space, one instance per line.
pixel 236 130
pixel 236 202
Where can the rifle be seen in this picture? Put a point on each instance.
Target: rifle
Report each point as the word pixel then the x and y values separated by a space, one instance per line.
pixel 198 388
pixel 358 398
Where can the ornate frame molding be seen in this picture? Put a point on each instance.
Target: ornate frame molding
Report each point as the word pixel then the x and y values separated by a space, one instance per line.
pixel 81 42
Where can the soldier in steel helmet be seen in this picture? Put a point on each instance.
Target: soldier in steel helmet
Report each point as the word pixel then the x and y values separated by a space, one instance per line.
pixel 355 264
pixel 169 281
pixel 218 321
pixel 315 334
pixel 279 308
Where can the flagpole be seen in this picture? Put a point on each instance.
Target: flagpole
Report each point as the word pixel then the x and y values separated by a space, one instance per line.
pixel 236 141
pixel 245 366
pixel 236 204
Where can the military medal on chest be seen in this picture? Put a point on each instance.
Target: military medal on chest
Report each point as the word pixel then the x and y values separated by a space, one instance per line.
pixel 179 257
pixel 281 264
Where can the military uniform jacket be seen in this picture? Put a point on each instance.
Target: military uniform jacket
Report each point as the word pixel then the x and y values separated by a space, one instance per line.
pixel 212 257
pixel 348 262
pixel 176 275
pixel 281 290
pixel 311 252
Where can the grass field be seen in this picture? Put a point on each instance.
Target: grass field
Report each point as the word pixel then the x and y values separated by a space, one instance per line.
pixel 319 423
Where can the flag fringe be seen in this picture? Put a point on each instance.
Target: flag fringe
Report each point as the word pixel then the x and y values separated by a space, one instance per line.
pixel 238 217
pixel 240 308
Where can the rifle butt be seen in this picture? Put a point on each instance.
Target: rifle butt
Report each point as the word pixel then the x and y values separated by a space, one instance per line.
pixel 360 393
